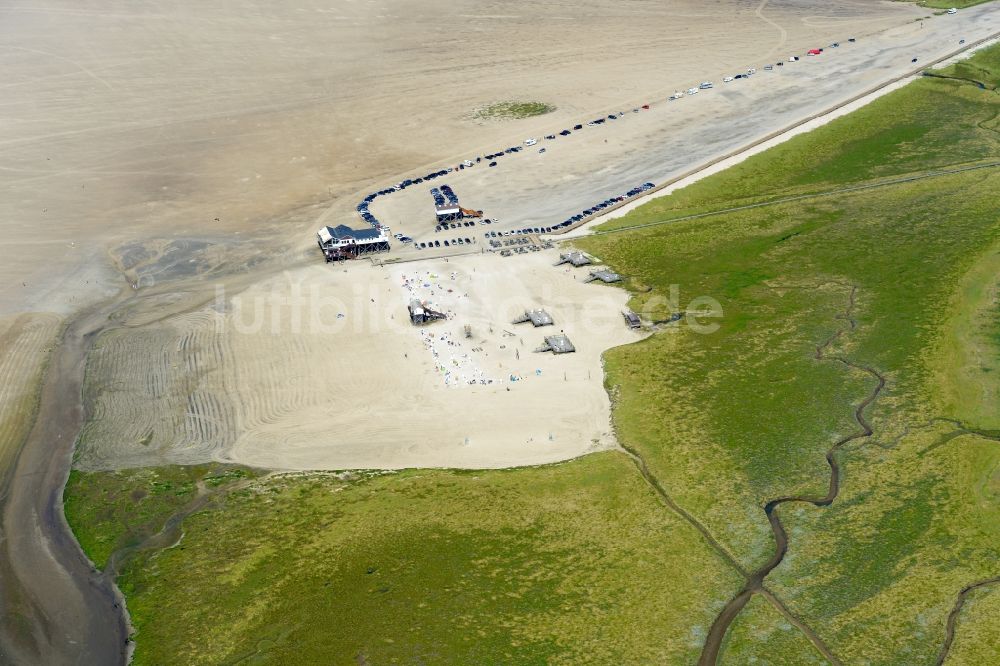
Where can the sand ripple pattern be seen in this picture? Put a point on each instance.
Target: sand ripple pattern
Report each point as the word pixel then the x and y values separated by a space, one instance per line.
pixel 24 343
pixel 185 390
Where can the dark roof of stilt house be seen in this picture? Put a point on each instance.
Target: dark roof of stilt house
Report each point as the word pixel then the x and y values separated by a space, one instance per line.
pixel 557 344
pixel 536 317
pixel 575 257
pixel 342 231
pixel 603 276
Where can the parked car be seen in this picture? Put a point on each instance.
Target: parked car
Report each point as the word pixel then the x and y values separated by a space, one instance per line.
pixel 550 136
pixel 530 142
pixel 728 79
pixel 706 85
pixel 492 164
pixel 578 127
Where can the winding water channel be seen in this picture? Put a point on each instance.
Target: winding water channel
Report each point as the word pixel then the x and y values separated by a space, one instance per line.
pixel 755 581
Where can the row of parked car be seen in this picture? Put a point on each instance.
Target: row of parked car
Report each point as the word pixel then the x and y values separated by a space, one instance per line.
pixel 445 243
pixel 706 85
pixel 438 197
pixel 362 207
pixel 607 203
pixel 454 225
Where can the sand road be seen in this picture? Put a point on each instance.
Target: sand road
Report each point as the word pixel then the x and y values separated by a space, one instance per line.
pixel 531 189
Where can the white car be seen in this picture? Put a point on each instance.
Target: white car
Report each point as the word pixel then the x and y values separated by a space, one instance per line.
pixel 728 79
pixel 467 163
pixel 677 95
pixel 530 142
pixel 952 11
pixel 706 85
pixel 752 70
pixel 692 91
pixel 398 236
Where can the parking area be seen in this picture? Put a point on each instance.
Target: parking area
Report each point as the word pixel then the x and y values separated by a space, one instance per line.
pixel 548 182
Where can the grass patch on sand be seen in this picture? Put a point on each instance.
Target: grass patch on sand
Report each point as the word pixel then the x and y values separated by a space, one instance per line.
pixel 730 420
pixel 566 564
pixel 511 110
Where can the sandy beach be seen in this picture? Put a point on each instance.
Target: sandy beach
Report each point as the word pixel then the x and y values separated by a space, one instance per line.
pixel 322 368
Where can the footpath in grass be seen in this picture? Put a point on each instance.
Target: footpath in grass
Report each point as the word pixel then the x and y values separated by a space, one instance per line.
pixel 730 420
pixel 761 635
